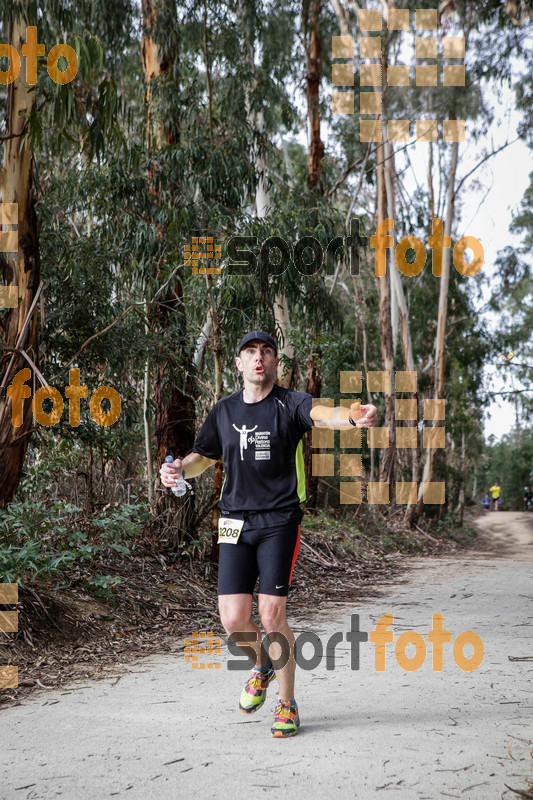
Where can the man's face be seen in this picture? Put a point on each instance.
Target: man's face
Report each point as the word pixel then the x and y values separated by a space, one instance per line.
pixel 258 362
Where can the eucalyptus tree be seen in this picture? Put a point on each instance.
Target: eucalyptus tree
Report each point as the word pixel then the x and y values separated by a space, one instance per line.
pixel 482 27
pixel 32 101
pixel 21 266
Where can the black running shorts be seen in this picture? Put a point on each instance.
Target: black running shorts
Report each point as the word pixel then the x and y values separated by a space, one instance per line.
pixel 267 553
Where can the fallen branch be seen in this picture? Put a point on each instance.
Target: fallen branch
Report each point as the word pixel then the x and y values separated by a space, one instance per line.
pixel 327 563
pixel 427 535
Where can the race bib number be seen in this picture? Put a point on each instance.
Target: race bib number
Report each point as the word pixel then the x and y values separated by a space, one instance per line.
pixel 229 530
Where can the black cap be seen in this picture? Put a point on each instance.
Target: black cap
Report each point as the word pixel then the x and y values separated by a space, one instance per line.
pixel 257 335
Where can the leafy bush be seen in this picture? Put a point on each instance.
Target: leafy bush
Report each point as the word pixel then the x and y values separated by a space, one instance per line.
pixel 56 541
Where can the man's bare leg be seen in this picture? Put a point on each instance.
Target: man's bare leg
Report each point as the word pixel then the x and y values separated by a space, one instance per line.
pixel 273 613
pixel 236 617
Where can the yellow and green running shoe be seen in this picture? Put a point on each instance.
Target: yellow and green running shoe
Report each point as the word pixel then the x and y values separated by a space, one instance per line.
pixel 286 719
pixel 254 693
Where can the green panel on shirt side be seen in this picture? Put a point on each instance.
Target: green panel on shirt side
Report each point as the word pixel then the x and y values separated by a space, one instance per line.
pixel 300 471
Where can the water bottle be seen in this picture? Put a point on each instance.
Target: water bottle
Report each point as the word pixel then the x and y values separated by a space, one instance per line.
pixel 181 487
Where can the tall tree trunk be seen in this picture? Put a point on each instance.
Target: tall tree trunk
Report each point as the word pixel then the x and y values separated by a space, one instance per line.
pixel 314 52
pixel 440 361
pixel 20 269
pixel 400 304
pixel 147 423
pixel 285 375
pixel 175 408
pixel 386 467
pixel 360 313
pixel 314 74
pixel 396 288
pixel 462 488
pixel 342 16
pixel 89 496
pixel 201 343
pixel 218 479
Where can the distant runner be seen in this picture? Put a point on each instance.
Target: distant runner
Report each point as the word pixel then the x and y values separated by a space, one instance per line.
pixel 486 502
pixel 528 497
pixel 259 528
pixel 495 492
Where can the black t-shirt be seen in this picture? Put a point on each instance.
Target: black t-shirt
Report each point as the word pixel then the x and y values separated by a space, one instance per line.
pixel 261 447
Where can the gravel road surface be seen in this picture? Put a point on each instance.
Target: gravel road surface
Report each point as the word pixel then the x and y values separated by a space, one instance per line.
pixel 164 730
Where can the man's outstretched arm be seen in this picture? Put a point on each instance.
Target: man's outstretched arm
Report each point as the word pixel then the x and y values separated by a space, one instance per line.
pixel 339 417
pixel 192 465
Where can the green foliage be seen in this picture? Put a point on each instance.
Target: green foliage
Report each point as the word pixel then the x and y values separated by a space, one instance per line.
pixel 115 208
pixel 55 542
pixel 512 298
pixel 510 462
pixel 102 585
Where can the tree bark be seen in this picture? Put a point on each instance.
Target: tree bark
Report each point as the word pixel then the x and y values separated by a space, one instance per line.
pixel 218 478
pixel 462 494
pixel 387 460
pixel 314 74
pixel 285 376
pixel 400 303
pixel 89 495
pixel 147 423
pixel 440 361
pixel 342 17
pixel 360 312
pixel 396 288
pixel 201 343
pixel 20 269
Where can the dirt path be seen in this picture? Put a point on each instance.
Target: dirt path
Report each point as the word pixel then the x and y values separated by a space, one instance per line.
pixel 508 533
pixel 166 730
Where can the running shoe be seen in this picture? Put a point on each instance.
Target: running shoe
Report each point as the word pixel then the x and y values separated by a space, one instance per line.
pixel 286 719
pixel 254 693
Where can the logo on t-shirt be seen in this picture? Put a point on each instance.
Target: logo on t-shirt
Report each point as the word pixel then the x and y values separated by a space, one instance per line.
pixel 262 446
pixel 261 441
pixel 243 442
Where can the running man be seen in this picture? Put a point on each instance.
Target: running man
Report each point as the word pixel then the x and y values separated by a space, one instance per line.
pixel 260 507
pixel 495 491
